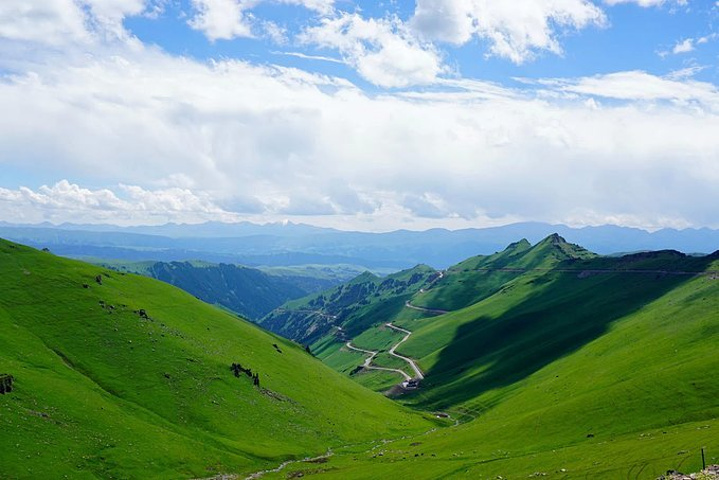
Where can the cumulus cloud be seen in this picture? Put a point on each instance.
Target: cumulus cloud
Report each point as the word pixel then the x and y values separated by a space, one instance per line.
pixel 222 19
pixel 382 50
pixel 66 201
pixel 232 138
pixel 514 30
pixel 228 19
pixel 61 22
pixel 178 139
pixel 685 46
pixel 46 21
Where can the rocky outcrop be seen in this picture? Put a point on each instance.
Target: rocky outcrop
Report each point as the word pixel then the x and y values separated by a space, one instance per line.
pixel 709 473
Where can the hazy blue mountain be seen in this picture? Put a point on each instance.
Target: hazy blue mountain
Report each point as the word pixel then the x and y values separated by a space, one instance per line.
pixel 293 244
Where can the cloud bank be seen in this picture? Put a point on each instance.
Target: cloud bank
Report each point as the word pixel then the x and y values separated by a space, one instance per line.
pixel 138 135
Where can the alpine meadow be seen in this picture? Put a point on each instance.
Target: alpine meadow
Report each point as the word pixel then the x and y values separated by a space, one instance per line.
pixel 356 240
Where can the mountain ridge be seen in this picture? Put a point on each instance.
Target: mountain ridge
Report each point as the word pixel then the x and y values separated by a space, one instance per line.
pixel 297 244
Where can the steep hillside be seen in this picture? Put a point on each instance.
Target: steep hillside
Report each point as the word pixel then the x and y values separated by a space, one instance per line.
pixel 247 291
pixel 121 376
pixel 479 277
pixel 465 284
pixel 353 306
pixel 250 292
pixel 535 319
pixel 595 368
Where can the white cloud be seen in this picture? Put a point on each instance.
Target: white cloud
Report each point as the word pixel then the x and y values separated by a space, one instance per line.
pixel 642 86
pixel 45 21
pixel 320 6
pixel 65 201
pixel 689 45
pixel 228 19
pixel 685 46
pixel 309 57
pixel 686 73
pixel 707 38
pixel 274 32
pixel 647 3
pixel 62 22
pixel 382 50
pixel 515 30
pixel 222 19
pixel 267 142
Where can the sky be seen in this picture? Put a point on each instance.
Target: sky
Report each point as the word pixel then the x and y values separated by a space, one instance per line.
pixel 360 115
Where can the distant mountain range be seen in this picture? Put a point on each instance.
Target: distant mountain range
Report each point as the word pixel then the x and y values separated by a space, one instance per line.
pixel 293 244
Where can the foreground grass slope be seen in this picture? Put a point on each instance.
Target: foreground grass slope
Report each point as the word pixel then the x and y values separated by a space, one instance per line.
pixel 130 378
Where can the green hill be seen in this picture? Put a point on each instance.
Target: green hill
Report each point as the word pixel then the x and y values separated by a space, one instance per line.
pixel 555 363
pixel 582 367
pixel 122 376
pixel 354 305
pixel 250 292
pixel 479 277
pixel 357 307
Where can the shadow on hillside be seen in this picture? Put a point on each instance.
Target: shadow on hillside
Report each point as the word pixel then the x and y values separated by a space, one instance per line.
pixel 565 314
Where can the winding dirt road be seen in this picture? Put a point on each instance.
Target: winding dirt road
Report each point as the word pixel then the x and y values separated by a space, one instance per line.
pixel 368 361
pixel 418 375
pixel 433 311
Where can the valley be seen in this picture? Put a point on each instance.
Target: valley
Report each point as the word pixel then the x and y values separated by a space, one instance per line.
pixel 523 344
pixel 538 360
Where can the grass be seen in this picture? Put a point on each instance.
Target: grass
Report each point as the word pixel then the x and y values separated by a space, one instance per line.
pixel 633 400
pixel 357 305
pixel 377 380
pixel 379 338
pixel 643 455
pixel 470 282
pixel 573 375
pixel 388 361
pixel 601 375
pixel 103 393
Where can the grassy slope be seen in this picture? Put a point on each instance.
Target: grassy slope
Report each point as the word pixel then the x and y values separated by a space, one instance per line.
pixel 461 285
pixel 532 321
pixel 246 291
pixel 468 282
pixel 103 393
pixel 631 400
pixel 357 305
pixel 332 351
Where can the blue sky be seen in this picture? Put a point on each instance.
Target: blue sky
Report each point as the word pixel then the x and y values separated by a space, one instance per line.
pixel 634 38
pixel 360 115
